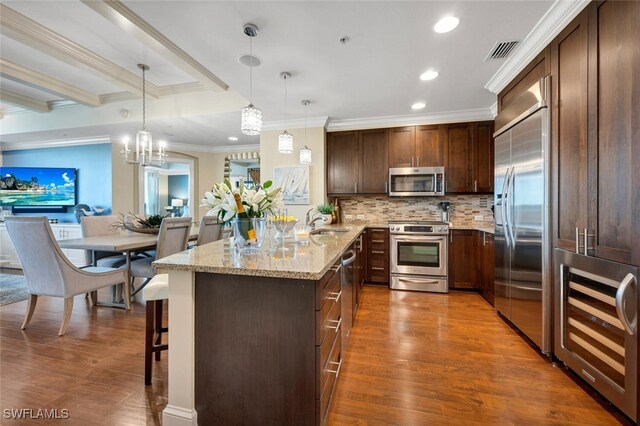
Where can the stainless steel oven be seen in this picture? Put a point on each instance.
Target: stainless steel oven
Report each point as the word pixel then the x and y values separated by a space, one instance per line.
pixel 416 181
pixel 418 256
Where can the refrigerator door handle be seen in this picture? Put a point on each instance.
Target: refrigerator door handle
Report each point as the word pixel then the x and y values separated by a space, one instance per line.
pixel 510 205
pixel 629 326
pixel 503 202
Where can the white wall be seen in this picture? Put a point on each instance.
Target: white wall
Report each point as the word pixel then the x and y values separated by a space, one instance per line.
pixel 270 158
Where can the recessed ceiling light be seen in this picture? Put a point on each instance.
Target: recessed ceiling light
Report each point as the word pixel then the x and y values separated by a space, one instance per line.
pixel 446 24
pixel 418 105
pixel 428 75
pixel 233 138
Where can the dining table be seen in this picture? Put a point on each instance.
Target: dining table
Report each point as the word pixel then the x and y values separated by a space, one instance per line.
pixel 126 242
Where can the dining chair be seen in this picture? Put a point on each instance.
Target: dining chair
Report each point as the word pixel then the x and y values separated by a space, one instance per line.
pixel 98 226
pixel 48 272
pixel 172 238
pixel 209 230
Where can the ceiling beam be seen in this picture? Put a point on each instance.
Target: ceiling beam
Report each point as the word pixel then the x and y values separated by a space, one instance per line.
pixel 127 21
pixel 22 101
pixel 26 31
pixel 37 80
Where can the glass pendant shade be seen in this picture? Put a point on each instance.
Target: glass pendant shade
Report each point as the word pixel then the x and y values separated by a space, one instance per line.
pixel 305 155
pixel 285 143
pixel 251 120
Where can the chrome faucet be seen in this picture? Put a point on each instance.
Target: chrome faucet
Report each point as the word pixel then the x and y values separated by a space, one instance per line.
pixel 311 222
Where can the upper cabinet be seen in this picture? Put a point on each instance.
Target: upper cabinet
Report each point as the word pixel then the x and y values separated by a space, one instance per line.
pixel 459 159
pixel 402 147
pixel 416 146
pixel 595 62
pixel 357 162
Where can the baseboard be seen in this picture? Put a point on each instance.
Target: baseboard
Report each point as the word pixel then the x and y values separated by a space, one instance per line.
pixel 177 416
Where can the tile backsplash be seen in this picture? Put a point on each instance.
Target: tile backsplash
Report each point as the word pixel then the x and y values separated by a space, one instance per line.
pixel 464 208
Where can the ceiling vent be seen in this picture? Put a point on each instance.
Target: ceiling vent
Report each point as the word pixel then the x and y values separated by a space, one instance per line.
pixel 501 50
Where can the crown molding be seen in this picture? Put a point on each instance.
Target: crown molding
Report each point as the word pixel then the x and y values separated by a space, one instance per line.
pixel 297 123
pixel 410 120
pixel 557 17
pixel 26 102
pixel 175 147
pixel 494 109
pixel 129 22
pixel 24 30
pixel 13 146
pixel 38 80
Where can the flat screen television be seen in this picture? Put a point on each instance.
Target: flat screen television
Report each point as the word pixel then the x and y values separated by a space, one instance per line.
pixel 37 186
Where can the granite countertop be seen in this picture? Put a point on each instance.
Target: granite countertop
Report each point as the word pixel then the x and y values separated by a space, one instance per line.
pixel 305 262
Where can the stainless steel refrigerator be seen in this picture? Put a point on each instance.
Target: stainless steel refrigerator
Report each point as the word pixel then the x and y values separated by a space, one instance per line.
pixel 521 200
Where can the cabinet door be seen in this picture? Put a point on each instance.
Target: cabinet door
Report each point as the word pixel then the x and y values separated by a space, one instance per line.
pixel 429 146
pixel 462 259
pixel 459 159
pixel 484 158
pixel 374 166
pixel 342 163
pixel 569 133
pixel 614 130
pixel 402 142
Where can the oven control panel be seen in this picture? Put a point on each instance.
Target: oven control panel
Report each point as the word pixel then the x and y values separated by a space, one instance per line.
pixel 419 228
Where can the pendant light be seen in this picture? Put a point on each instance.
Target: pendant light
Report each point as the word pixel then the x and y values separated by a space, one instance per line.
pixel 144 154
pixel 251 116
pixel 285 140
pixel 305 153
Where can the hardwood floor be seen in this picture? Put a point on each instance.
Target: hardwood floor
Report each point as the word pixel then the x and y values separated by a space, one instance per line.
pixel 415 358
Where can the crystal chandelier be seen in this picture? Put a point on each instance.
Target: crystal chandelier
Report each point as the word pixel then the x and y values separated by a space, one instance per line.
pixel 285 140
pixel 144 154
pixel 305 153
pixel 251 116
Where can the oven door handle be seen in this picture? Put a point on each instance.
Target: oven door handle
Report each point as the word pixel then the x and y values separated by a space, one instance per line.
pixel 421 238
pixel 405 280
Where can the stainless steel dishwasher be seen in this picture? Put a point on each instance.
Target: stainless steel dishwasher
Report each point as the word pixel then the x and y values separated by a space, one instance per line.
pixel 346 278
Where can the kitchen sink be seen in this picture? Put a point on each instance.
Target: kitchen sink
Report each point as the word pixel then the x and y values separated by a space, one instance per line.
pixel 329 231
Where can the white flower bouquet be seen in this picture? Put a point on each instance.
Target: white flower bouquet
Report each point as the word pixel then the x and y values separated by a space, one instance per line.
pixel 257 203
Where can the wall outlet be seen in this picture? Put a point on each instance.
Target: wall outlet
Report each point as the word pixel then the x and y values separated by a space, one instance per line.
pixel 478 217
pixel 360 217
pixel 348 216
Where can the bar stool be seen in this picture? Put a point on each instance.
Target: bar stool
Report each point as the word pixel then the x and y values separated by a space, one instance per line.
pixel 155 293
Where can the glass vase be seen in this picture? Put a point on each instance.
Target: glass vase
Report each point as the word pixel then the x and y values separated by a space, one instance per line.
pixel 240 227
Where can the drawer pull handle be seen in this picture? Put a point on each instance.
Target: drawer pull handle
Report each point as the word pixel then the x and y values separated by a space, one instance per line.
pixel 337 370
pixel 376 268
pixel 377 241
pixel 337 295
pixel 377 251
pixel 337 268
pixel 337 326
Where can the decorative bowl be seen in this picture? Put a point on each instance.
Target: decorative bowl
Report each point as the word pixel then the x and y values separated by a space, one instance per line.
pixel 140 230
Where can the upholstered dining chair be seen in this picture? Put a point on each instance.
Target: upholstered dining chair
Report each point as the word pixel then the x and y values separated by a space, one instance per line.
pixel 98 226
pixel 48 272
pixel 209 230
pixel 172 238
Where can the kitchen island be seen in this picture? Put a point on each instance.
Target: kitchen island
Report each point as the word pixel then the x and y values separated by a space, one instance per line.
pixel 255 338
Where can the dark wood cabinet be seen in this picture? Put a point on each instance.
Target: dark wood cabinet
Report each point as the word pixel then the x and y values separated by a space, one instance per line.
pixel 402 146
pixel 595 62
pixel 374 167
pixel 463 259
pixel 459 159
pixel 486 265
pixel 378 255
pixel 357 162
pixel 342 162
pixel 484 156
pixel 430 145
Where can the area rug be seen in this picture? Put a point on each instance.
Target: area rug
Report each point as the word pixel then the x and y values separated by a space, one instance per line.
pixel 13 288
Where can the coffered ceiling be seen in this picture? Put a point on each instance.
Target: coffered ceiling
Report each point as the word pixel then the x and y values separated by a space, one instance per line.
pixel 69 68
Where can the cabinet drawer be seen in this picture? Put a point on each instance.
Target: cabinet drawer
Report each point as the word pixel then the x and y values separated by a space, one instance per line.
pixel 330 374
pixel 327 353
pixel 326 287
pixel 327 318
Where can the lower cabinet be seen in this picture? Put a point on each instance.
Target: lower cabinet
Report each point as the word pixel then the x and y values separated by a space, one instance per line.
pixel 471 261
pixel 462 255
pixel 9 257
pixel 377 256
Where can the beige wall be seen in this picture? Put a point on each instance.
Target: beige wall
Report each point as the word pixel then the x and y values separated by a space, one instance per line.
pixel 270 158
pixel 123 187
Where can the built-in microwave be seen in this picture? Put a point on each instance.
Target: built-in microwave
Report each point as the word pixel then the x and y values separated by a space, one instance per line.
pixel 416 181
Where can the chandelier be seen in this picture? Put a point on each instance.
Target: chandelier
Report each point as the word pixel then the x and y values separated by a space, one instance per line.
pixel 305 153
pixel 144 154
pixel 285 140
pixel 251 116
